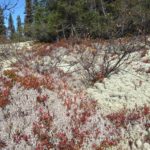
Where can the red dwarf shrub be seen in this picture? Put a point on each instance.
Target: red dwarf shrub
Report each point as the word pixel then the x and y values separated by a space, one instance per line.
pixel 17 137
pixel 2 144
pixel 71 122
pixel 30 81
pixel 4 95
pixel 41 99
pixel 124 117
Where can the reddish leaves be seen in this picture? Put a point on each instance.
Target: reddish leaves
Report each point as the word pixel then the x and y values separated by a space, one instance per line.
pixel 4 98
pixel 124 117
pixel 117 118
pixel 19 136
pixel 30 81
pixel 42 99
pixel 2 144
pixel 107 143
pixel 10 74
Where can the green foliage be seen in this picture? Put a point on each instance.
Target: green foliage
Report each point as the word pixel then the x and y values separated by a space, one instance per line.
pixel 28 19
pixel 40 26
pixel 54 19
pixel 54 22
pixel 18 36
pixel 19 25
pixel 2 25
pixel 11 27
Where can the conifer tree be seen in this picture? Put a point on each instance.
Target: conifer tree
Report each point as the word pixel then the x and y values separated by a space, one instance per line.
pixel 35 2
pixel 2 25
pixel 95 18
pixel 19 24
pixel 11 27
pixel 28 12
pixel 28 18
pixel 19 27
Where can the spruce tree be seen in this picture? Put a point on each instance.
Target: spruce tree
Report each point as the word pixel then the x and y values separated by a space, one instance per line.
pixel 19 28
pixel 28 12
pixel 11 26
pixel 2 25
pixel 95 18
pixel 28 18
pixel 19 24
pixel 35 2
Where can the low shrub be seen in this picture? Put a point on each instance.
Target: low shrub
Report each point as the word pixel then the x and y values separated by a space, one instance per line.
pixel 72 122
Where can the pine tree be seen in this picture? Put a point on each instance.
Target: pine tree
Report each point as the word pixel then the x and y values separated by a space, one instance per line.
pixel 28 18
pixel 2 25
pixel 11 27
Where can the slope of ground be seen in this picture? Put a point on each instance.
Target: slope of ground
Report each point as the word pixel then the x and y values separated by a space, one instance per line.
pixel 49 100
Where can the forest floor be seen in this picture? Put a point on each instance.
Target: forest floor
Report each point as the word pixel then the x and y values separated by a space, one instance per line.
pixel 56 96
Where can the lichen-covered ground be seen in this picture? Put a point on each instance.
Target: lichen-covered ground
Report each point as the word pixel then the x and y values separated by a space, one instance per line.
pixel 50 100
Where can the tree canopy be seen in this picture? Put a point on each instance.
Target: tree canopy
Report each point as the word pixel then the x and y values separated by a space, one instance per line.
pixel 49 20
pixel 95 18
